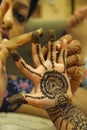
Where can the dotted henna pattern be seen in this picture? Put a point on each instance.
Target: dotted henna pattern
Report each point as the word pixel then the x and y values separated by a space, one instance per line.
pixel 53 83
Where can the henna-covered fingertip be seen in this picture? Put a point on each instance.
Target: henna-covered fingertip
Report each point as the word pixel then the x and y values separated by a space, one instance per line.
pixel 15 55
pixel 35 37
pixel 52 35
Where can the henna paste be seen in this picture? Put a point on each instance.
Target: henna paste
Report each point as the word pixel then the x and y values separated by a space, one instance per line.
pixel 61 100
pixel 74 116
pixel 15 55
pixel 35 37
pixel 52 35
pixel 40 59
pixel 52 60
pixel 42 97
pixel 64 61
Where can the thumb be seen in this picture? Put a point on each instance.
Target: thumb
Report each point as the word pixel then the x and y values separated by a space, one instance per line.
pixel 36 100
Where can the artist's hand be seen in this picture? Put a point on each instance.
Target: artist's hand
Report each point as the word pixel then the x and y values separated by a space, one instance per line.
pixel 74 62
pixel 50 78
pixel 6 46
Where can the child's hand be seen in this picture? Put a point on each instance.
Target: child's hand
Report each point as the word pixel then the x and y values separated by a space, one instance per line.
pixel 51 83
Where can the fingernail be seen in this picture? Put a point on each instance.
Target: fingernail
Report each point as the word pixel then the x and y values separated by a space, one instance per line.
pixel 15 55
pixel 35 37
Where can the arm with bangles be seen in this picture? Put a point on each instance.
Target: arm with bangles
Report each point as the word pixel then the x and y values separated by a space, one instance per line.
pixel 52 86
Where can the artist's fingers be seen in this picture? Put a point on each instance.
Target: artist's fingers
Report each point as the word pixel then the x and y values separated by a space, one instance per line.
pixel 76 76
pixel 3 9
pixel 69 41
pixel 36 50
pixel 74 47
pixel 23 66
pixel 4 51
pixel 79 15
pixel 73 60
pixel 68 38
pixel 23 39
pixel 3 56
pixel 58 44
pixel 72 21
pixel 75 71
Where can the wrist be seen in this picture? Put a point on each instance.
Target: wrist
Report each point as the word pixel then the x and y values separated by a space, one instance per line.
pixel 55 115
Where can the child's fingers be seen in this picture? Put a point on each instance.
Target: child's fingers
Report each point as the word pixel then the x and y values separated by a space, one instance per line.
pixel 63 52
pixel 26 69
pixel 3 8
pixel 36 50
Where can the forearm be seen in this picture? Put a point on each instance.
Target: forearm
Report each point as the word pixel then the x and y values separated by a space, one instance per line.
pixel 68 117
pixel 58 120
pixel 28 109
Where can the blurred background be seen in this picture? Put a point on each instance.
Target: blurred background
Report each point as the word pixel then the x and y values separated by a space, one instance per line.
pixel 57 9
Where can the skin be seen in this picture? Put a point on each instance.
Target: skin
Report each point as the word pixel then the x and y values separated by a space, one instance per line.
pixel 15 18
pixel 8 22
pixel 77 25
pixel 74 55
pixel 13 24
pixel 48 76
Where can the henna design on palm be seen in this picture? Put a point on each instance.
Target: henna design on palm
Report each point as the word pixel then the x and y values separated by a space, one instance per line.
pixel 49 77
pixel 53 83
